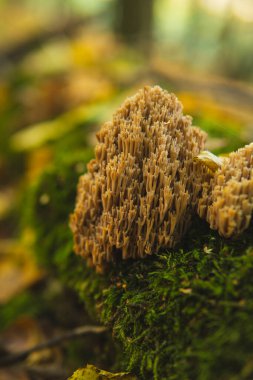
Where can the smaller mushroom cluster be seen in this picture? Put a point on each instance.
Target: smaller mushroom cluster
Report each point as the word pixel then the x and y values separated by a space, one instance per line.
pixel 227 198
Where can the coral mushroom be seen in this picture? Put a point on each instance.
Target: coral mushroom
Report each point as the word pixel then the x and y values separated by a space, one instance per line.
pixel 227 200
pixel 140 191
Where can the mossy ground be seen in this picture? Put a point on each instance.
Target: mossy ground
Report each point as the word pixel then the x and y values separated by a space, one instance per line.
pixel 180 314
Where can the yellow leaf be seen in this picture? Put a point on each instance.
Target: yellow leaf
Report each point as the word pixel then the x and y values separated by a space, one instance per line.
pixel 90 372
pixel 185 290
pixel 208 159
pixel 18 270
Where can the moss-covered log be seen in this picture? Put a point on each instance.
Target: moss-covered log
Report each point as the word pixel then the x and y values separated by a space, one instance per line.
pixel 181 314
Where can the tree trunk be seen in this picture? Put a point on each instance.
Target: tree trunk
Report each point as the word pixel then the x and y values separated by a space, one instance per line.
pixel 134 22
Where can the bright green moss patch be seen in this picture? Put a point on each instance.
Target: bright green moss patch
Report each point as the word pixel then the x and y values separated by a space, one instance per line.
pixel 181 314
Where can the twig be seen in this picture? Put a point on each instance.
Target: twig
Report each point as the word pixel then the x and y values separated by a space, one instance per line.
pixel 77 332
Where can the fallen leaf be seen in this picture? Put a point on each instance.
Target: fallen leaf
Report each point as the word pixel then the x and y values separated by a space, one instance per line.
pixel 36 135
pixel 7 197
pixel 37 160
pixel 21 335
pixel 208 159
pixel 185 290
pixel 13 373
pixel 25 333
pixel 18 269
pixel 90 372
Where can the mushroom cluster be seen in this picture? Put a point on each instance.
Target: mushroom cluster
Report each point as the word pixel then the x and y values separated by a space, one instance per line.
pixel 147 181
pixel 140 191
pixel 227 199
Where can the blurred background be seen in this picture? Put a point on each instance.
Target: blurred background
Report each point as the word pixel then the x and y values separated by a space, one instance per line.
pixel 65 66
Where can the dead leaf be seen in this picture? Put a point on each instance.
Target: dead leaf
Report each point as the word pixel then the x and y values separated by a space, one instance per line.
pixel 13 373
pixel 7 197
pixel 86 87
pixel 208 159
pixel 37 160
pixel 21 335
pixel 18 269
pixel 185 290
pixel 90 372
pixel 36 135
pixel 25 333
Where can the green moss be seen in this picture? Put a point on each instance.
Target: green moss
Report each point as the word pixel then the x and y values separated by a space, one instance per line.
pixel 180 314
pixel 186 314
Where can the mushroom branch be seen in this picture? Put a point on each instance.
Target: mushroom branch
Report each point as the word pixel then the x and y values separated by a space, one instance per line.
pixel 148 180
